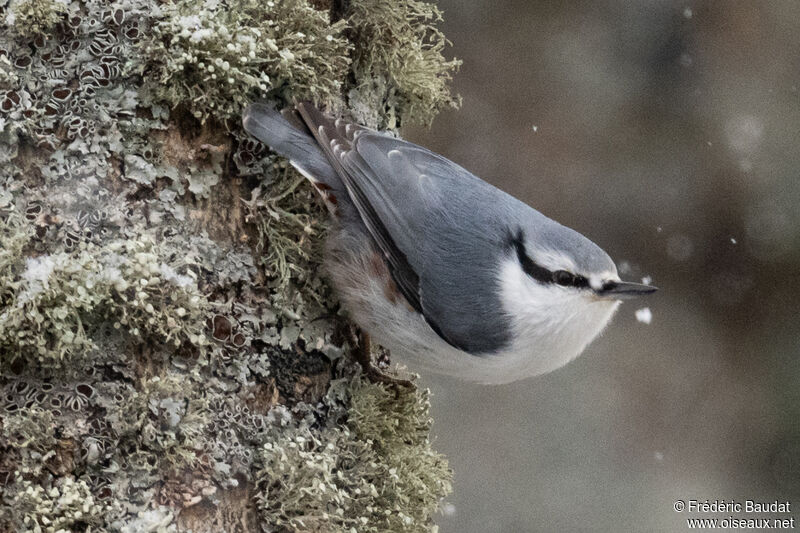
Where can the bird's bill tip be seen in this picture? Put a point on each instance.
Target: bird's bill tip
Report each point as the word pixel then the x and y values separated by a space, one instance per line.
pixel 625 290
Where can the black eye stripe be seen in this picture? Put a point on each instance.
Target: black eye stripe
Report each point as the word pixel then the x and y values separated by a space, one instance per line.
pixel 540 273
pixel 537 272
pixel 562 277
pixel 567 279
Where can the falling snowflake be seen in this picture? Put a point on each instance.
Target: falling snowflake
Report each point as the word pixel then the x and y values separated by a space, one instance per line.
pixel 644 315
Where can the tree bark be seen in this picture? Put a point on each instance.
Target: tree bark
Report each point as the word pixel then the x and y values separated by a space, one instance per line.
pixel 171 358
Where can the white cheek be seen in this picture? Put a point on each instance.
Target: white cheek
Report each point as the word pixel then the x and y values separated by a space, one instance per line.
pixel 552 325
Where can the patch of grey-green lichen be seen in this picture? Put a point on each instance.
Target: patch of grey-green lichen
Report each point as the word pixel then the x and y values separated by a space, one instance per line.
pixel 31 18
pixel 290 224
pixel 374 471
pixel 31 430
pixel 215 57
pixel 59 504
pixel 400 72
pixel 157 520
pixel 50 303
pixel 63 90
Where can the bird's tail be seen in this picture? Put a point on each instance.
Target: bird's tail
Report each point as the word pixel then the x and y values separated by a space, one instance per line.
pixel 285 132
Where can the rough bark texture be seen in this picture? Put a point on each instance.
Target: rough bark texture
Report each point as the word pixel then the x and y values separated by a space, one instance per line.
pixel 170 357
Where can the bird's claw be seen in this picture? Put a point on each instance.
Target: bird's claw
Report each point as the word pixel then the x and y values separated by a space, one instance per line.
pixel 362 353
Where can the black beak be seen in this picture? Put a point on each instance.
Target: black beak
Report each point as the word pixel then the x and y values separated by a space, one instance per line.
pixel 625 290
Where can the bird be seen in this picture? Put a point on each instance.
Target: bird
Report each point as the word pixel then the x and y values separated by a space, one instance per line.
pixel 449 273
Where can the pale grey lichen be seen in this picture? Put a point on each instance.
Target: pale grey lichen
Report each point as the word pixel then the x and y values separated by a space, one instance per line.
pixel 32 429
pixel 32 18
pixel 158 520
pixel 60 505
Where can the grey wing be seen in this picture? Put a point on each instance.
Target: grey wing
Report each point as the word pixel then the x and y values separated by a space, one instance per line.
pixel 433 221
pixel 335 136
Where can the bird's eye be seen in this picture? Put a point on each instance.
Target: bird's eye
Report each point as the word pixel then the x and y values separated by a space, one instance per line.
pixel 562 277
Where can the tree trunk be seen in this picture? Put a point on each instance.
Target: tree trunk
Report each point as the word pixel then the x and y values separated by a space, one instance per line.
pixel 171 358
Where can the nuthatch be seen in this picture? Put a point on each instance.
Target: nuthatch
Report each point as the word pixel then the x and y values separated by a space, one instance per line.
pixel 450 273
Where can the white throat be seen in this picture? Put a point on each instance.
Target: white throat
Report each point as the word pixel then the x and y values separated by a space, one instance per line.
pixel 551 325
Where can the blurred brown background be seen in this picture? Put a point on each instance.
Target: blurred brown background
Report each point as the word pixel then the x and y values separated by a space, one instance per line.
pixel 668 133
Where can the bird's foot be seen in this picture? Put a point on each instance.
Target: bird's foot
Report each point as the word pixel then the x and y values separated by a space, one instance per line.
pixel 362 353
pixel 376 375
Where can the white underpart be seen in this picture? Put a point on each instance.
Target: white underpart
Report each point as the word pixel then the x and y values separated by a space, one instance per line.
pixel 551 325
pixel 393 325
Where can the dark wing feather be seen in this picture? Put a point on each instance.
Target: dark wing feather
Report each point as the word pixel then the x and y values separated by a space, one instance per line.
pixel 336 139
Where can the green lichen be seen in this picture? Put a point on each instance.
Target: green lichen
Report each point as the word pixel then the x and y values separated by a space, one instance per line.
pixel 400 71
pixel 49 303
pixel 14 235
pixel 59 505
pixel 166 421
pixel 215 57
pixel 35 17
pixel 375 472
pixel 288 219
pixel 32 429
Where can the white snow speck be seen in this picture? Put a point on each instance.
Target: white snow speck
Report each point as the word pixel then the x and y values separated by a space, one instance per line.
pixel 173 277
pixel 744 134
pixel 535 128
pixel 448 509
pixel 687 12
pixel 658 456
pixel 38 269
pixel 647 280
pixel 644 315
pixel 192 22
pixel 37 275
pixel 201 35
pixel 733 241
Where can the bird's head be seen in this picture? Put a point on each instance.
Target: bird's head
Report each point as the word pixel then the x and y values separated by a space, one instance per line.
pixel 566 262
pixel 559 290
